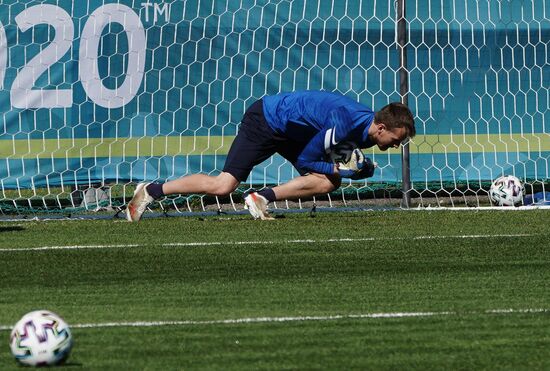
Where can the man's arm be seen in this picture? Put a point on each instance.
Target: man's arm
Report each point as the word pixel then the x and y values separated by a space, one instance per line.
pixel 312 158
pixel 339 128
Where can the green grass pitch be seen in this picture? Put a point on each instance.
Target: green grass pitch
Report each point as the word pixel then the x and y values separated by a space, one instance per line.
pixel 358 290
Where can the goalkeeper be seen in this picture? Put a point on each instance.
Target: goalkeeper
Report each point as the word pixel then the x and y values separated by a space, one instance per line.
pixel 303 127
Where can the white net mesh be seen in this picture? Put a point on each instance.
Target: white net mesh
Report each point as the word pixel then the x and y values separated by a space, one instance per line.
pixel 104 94
pixel 479 86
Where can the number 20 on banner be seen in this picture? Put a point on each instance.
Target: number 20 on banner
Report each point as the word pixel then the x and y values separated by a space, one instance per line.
pixel 22 94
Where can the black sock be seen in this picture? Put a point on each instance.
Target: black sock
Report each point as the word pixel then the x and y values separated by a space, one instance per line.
pixel 268 194
pixel 155 190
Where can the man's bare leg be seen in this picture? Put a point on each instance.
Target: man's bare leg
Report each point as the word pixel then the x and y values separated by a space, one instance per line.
pixel 302 186
pixel 219 185
pixel 307 186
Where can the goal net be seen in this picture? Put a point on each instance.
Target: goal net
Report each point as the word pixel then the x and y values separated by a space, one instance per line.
pixel 97 96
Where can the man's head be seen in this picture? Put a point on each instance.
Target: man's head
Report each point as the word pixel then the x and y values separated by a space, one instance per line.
pixel 392 124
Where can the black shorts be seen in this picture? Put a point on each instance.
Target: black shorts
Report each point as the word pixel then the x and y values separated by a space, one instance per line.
pixel 256 142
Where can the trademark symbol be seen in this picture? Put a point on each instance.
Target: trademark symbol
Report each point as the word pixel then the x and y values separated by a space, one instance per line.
pixel 158 10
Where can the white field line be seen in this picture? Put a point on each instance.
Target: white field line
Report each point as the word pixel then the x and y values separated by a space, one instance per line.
pixel 481 208
pixel 419 208
pixel 194 244
pixel 70 247
pixel 298 319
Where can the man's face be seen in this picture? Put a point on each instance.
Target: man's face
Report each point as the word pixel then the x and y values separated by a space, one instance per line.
pixel 387 138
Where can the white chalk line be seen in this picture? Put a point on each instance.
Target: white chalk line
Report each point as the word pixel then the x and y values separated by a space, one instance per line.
pixel 264 242
pixel 299 318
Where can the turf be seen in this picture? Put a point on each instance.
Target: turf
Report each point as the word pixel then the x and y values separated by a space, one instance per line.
pixel 460 265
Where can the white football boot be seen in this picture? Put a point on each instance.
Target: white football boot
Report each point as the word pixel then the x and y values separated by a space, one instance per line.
pixel 257 206
pixel 138 204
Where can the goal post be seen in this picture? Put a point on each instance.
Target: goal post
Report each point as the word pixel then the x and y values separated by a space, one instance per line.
pixel 401 20
pixel 106 94
pixel 477 86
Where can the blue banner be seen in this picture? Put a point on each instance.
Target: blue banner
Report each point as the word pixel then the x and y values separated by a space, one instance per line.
pixel 124 91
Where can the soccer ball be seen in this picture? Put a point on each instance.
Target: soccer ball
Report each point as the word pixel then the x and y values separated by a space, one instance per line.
pixel 506 191
pixel 41 338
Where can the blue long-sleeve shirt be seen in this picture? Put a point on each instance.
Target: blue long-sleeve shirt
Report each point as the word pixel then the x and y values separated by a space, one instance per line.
pixel 320 120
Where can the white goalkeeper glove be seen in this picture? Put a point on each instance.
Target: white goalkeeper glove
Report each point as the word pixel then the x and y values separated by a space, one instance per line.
pixel 357 167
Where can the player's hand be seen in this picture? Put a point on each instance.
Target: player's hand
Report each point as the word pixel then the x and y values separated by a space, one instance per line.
pixel 358 167
pixel 366 170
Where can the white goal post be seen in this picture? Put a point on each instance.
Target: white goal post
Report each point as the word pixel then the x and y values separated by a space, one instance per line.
pixel 101 95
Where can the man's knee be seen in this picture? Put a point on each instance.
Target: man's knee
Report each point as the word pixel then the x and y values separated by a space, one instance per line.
pixel 327 183
pixel 224 184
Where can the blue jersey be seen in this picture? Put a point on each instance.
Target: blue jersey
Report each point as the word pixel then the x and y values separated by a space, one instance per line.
pixel 320 120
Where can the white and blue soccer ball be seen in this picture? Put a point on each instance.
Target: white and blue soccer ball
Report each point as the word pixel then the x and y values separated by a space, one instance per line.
pixel 506 190
pixel 41 338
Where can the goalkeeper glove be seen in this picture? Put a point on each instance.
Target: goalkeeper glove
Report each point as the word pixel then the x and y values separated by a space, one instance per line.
pixel 358 167
pixel 366 171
